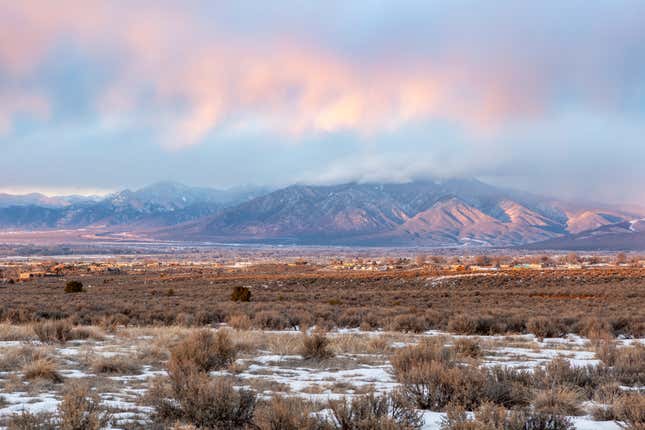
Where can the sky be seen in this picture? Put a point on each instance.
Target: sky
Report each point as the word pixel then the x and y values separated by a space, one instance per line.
pixel 545 96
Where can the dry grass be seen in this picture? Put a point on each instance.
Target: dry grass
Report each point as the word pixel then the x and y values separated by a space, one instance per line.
pixel 196 399
pixel 116 364
pixel 316 347
pixel 239 322
pixel 286 413
pixel 491 417
pixel 468 348
pixel 544 327
pixel 53 331
pixel 558 401
pixel 80 409
pixel 428 350
pixel 629 365
pixel 630 409
pixel 545 302
pixel 44 369
pixel 15 358
pixel 387 412
pixel 13 332
pixel 205 351
pixel 28 421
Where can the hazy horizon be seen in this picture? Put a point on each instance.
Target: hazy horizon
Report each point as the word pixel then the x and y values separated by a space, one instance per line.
pixel 97 96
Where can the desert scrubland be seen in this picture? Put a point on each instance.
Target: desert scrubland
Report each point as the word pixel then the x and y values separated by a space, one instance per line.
pixel 481 343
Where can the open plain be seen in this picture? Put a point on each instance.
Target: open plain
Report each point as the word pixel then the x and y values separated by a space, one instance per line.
pixel 423 342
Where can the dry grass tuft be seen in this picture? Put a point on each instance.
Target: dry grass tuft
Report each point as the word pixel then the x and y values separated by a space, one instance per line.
pixel 80 409
pixel 629 365
pixel 630 409
pixel 53 331
pixel 117 364
pixel 44 369
pixel 316 347
pixel 12 332
pixel 239 322
pixel 468 348
pixel 15 358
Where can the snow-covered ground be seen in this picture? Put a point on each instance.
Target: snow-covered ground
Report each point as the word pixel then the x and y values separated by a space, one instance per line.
pixel 270 365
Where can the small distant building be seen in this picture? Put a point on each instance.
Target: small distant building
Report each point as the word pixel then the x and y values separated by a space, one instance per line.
pixel 24 276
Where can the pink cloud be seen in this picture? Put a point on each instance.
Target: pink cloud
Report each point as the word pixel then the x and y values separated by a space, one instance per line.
pixel 191 79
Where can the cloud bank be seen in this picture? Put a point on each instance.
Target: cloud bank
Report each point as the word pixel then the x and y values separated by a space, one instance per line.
pixel 372 89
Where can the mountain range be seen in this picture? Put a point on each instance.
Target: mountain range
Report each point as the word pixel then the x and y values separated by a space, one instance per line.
pixel 441 213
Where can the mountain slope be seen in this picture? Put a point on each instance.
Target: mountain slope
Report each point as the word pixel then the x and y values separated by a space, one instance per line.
pixel 622 236
pixel 453 212
pixel 433 213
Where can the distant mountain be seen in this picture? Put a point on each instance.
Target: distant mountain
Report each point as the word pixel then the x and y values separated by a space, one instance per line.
pixel 453 212
pixel 622 236
pixel 160 204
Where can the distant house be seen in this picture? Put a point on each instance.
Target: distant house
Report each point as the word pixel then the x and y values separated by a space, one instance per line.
pixel 29 275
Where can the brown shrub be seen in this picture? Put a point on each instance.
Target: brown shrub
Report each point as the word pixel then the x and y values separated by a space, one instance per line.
pixel 42 368
pixel 286 413
pixel 467 348
pixel 408 324
pixel 204 351
pixel 270 320
pixel 508 387
pixel 53 331
pixel 558 401
pixel 544 327
pixel 316 347
pixel 428 350
pixel 241 294
pixel 195 398
pixel 560 372
pixel 462 324
pixel 386 412
pixel 491 417
pixel 629 365
pixel 434 385
pixel 80 409
pixel 28 421
pixel 74 287
pixel 117 364
pixel 20 357
pixel 239 321
pixel 630 409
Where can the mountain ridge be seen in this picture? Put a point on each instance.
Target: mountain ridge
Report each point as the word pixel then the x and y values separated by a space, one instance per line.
pixel 449 212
